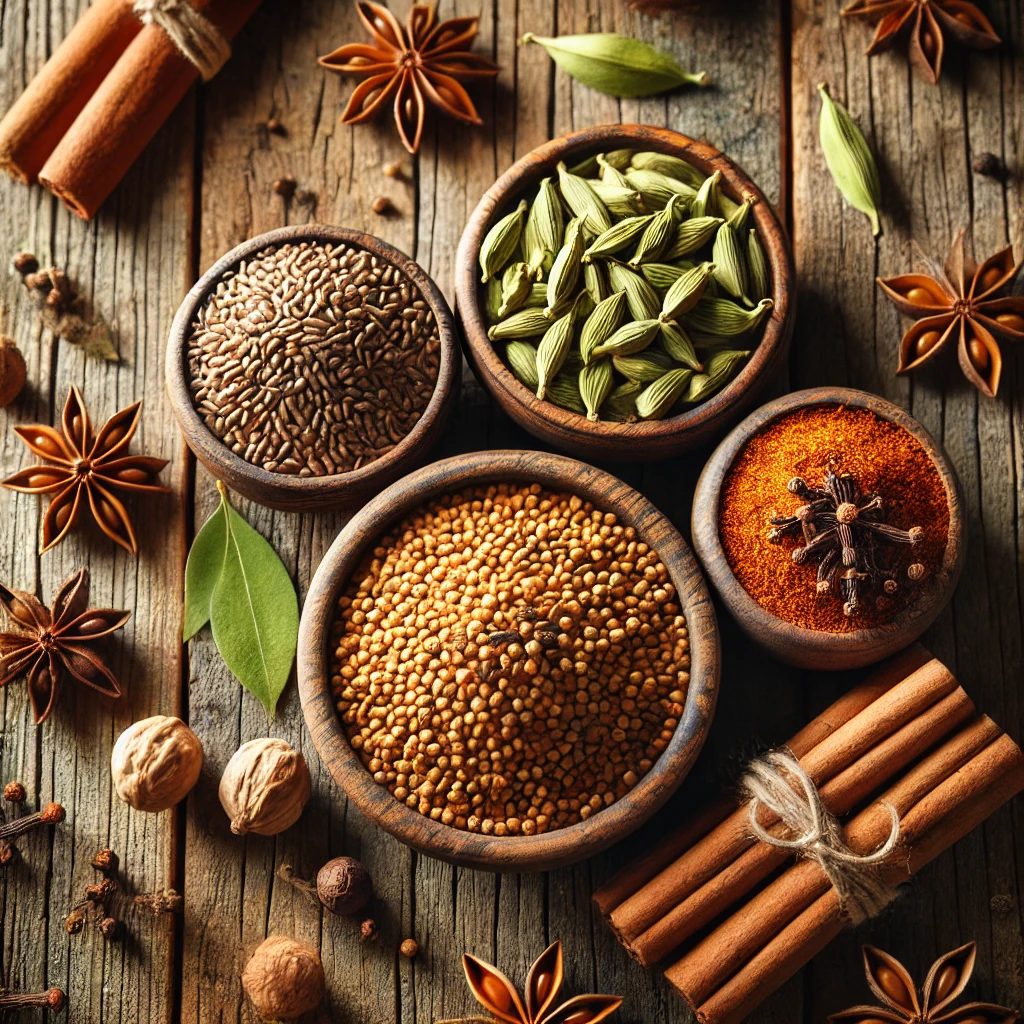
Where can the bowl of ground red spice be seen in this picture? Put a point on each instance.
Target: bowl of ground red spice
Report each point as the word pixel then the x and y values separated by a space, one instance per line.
pixel 830 524
pixel 509 660
pixel 311 366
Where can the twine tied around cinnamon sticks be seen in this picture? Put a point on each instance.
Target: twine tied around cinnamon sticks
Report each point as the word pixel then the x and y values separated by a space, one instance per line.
pixel 776 781
pixel 195 36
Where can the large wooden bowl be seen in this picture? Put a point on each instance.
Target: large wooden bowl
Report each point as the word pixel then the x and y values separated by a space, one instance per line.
pixel 809 648
pixel 655 439
pixel 292 492
pixel 509 853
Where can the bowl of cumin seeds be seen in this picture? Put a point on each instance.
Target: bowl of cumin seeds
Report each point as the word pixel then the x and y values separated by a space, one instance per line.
pixel 311 366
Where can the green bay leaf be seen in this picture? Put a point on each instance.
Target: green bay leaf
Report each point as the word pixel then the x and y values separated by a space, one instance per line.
pixel 254 612
pixel 202 570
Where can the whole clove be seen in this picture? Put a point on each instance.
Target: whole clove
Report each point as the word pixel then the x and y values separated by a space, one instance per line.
pixel 53 999
pixel 989 166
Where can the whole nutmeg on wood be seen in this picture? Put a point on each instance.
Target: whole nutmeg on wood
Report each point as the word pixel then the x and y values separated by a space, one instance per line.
pixel 155 763
pixel 284 979
pixel 264 787
pixel 343 886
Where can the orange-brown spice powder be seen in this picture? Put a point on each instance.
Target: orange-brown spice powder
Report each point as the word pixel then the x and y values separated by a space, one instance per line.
pixel 882 456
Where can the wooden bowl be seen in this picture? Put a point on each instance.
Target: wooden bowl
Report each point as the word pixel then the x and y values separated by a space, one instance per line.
pixel 291 492
pixel 810 648
pixel 508 853
pixel 656 439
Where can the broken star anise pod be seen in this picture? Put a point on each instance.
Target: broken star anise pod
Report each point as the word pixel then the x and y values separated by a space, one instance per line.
pixel 424 62
pixel 86 468
pixel 890 981
pixel 495 992
pixel 52 644
pixel 926 21
pixel 959 300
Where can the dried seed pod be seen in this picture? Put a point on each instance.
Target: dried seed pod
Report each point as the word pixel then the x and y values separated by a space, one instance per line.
pixel 522 359
pixel 686 291
pixel 757 264
pixel 516 283
pixel 155 763
pixel 553 349
pixel 595 380
pixel 617 237
pixel 565 271
pixel 724 318
pixel 691 235
pixel 545 228
pixel 12 371
pixel 642 299
pixel 629 338
pixel 671 166
pixel 343 886
pixel 706 202
pixel 657 235
pixel 602 324
pixel 730 268
pixel 583 201
pixel 619 201
pixel 655 401
pixel 656 189
pixel 501 241
pixel 264 787
pixel 720 369
pixel 527 323
pixel 284 979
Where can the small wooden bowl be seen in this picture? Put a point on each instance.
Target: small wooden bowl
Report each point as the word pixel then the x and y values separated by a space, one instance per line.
pixel 291 492
pixel 507 853
pixel 656 439
pixel 809 648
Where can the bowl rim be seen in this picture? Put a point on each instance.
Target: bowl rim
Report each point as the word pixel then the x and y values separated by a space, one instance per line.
pixel 519 853
pixel 214 453
pixel 540 162
pixel 910 621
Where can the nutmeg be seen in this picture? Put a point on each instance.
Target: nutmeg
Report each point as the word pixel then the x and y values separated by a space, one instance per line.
pixel 264 787
pixel 283 978
pixel 12 371
pixel 343 885
pixel 155 763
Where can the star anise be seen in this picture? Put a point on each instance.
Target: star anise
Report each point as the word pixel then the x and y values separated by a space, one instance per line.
pixel 51 644
pixel 495 992
pixel 86 467
pixel 842 528
pixel 890 981
pixel 944 304
pixel 427 60
pixel 926 21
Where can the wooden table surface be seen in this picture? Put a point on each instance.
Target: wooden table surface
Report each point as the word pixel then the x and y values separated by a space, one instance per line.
pixel 205 184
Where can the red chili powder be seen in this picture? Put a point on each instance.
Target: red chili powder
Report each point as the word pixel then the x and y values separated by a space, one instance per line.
pixel 882 456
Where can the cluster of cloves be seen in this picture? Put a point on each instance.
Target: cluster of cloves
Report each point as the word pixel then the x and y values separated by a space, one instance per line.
pixel 14 793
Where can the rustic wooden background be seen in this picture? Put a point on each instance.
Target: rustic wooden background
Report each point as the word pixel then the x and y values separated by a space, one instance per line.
pixel 204 185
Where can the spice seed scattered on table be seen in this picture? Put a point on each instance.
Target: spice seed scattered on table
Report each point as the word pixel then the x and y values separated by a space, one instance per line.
pixel 510 661
pixel 313 359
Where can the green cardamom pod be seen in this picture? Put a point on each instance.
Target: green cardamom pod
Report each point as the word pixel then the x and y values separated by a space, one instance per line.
pixel 602 324
pixel 676 342
pixel 595 283
pixel 641 369
pixel 527 323
pixel 658 398
pixel 757 264
pixel 736 214
pixel 588 167
pixel 670 166
pixel 565 392
pixel 656 189
pixel 622 202
pixel 583 201
pixel 730 264
pixel 617 65
pixel 545 225
pixel 631 337
pixel 661 276
pixel 610 174
pixel 538 294
pixel 620 405
pixel 725 318
pixel 516 283
pixel 617 237
pixel 595 380
pixel 686 291
pixel 691 235
pixel 644 303
pixel 522 360
pixel 657 236
pixel 565 271
pixel 849 159
pixel 721 369
pixel 553 349
pixel 500 242
pixel 705 203
pixel 492 299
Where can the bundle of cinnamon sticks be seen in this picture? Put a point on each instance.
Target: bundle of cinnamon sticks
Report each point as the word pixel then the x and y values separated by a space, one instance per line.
pixel 100 98
pixel 734 918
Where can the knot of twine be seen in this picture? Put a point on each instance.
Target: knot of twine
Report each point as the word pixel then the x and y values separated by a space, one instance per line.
pixel 195 36
pixel 777 782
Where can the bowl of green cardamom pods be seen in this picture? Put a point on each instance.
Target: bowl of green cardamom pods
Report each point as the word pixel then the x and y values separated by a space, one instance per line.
pixel 625 286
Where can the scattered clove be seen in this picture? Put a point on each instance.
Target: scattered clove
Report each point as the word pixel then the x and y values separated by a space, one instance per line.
pixel 53 999
pixel 284 187
pixel 14 793
pixel 105 861
pixel 990 166
pixel 368 930
pixel 163 901
pixel 383 206
pixel 274 126
pixel 394 170
pixel 25 263
pixel 52 814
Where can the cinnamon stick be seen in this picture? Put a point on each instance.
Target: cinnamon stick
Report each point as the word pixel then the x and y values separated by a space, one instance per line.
pixel 134 99
pixel 647 908
pixel 53 99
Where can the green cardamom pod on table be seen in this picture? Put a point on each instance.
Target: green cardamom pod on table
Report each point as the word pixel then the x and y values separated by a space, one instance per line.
pixel 631 337
pixel 686 291
pixel 553 349
pixel 849 159
pixel 641 369
pixel 655 401
pixel 500 242
pixel 676 342
pixel 644 303
pixel 657 235
pixel 670 166
pixel 721 369
pixel 691 235
pixel 516 282
pixel 565 271
pixel 617 65
pixel 730 264
pixel 705 203
pixel 724 317
pixel 757 264
pixel 617 237
pixel 522 359
pixel 595 381
pixel 583 201
pixel 656 189
pixel 526 323
pixel 602 324
pixel 620 405
pixel 545 226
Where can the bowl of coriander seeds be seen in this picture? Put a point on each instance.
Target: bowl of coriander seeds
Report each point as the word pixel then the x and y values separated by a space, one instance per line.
pixel 625 288
pixel 311 366
pixel 509 660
